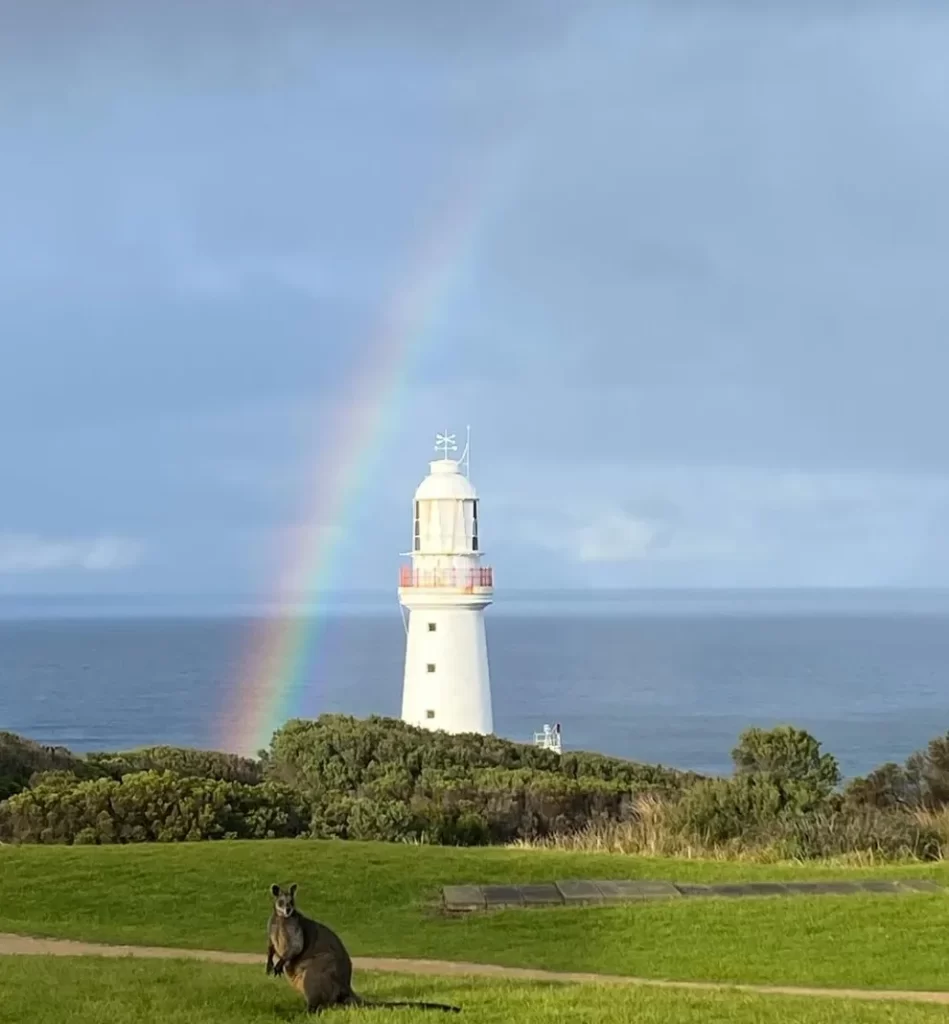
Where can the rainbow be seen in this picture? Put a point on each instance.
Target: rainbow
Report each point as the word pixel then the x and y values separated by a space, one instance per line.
pixel 281 651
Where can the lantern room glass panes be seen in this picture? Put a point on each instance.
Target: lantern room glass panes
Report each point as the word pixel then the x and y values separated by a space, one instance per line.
pixel 446 526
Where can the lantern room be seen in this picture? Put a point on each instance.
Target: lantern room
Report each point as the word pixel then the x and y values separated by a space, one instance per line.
pixel 445 513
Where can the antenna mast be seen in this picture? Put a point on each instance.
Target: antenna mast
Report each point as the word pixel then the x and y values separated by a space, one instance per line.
pixel 466 454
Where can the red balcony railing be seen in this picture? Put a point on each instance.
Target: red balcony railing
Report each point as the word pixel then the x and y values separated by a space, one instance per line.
pixel 456 579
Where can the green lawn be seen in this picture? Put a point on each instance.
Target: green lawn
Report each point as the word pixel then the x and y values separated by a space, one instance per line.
pixel 380 899
pixel 50 991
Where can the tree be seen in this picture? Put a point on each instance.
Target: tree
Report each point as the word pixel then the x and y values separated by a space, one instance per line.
pixel 20 758
pixel 889 787
pixel 930 768
pixel 788 757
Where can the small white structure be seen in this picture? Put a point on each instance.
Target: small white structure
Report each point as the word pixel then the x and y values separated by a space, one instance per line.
pixel 445 591
pixel 549 739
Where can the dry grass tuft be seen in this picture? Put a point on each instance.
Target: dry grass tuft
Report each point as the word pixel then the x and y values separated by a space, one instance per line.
pixel 656 830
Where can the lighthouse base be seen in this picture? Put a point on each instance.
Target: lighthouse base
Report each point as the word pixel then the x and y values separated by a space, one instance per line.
pixel 446 683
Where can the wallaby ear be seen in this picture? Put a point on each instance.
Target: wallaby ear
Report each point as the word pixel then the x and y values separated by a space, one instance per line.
pixel 275 890
pixel 293 889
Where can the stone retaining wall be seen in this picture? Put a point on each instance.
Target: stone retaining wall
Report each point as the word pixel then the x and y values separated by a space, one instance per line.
pixel 565 893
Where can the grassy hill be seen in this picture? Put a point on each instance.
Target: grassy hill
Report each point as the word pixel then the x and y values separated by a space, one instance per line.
pixel 136 992
pixel 382 898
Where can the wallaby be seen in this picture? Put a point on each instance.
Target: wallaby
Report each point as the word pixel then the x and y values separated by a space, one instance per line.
pixel 314 959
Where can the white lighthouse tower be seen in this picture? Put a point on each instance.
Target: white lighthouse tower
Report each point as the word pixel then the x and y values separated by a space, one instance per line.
pixel 446 590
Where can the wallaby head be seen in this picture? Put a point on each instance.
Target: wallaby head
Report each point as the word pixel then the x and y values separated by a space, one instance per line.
pixel 284 899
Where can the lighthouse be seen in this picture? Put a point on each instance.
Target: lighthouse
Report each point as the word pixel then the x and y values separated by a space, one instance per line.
pixel 445 592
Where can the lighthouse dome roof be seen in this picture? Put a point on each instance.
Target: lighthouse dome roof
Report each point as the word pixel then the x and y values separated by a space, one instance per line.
pixel 446 481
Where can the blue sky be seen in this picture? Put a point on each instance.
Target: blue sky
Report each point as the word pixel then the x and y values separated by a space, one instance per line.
pixel 701 338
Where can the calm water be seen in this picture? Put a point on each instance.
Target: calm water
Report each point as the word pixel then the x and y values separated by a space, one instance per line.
pixel 671 682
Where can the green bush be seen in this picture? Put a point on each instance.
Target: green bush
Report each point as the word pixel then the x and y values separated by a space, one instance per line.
pixel 385 779
pixel 780 777
pixel 789 757
pixel 921 783
pixel 717 811
pixel 20 759
pixel 373 779
pixel 930 769
pixel 381 779
pixel 890 787
pixel 341 753
pixel 199 764
pixel 150 807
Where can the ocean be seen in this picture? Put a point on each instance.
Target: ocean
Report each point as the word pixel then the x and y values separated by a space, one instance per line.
pixel 669 678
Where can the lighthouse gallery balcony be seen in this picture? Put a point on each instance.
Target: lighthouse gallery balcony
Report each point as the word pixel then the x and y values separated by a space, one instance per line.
pixel 449 579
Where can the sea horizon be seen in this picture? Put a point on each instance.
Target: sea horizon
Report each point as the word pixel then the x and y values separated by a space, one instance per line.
pixel 747 600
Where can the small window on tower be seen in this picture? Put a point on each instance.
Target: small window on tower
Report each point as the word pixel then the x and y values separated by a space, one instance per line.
pixel 474 527
pixel 431 627
pixel 429 714
pixel 430 667
pixel 417 541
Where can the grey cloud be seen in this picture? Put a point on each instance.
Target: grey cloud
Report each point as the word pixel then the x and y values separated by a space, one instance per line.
pixel 242 37
pixel 740 527
pixel 28 553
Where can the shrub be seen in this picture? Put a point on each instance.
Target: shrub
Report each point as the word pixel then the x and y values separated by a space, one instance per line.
pixel 20 759
pixel 922 783
pixel 199 764
pixel 388 820
pixel 382 778
pixel 889 787
pixel 150 806
pixel 717 811
pixel 342 753
pixel 929 768
pixel 790 758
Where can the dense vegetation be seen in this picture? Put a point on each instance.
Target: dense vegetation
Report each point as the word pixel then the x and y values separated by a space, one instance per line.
pixel 339 777
pixel 333 777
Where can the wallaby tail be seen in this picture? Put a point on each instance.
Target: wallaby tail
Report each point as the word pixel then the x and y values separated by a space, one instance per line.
pixel 387 1004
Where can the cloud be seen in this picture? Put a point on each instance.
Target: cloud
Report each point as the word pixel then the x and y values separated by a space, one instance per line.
pixel 179 37
pixel 743 526
pixel 616 537
pixel 29 553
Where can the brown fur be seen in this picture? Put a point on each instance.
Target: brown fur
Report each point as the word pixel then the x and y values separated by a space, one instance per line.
pixel 314 959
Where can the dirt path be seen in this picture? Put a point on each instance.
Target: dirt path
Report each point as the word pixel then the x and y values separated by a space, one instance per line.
pixel 20 945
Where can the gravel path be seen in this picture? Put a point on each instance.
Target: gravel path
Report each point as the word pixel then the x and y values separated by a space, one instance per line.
pixel 20 945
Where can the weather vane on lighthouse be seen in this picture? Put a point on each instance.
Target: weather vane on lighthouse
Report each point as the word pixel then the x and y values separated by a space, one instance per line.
pixel 445 443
